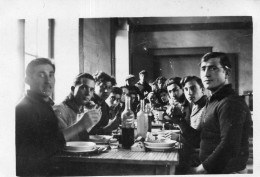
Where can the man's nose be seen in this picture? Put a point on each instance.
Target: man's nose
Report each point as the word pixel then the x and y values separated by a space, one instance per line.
pixel 206 72
pixel 48 79
pixel 87 91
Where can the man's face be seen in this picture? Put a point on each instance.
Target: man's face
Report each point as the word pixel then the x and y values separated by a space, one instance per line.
pixel 164 97
pixel 84 91
pixel 160 84
pixel 108 90
pixel 193 92
pixel 42 80
pixel 212 74
pixel 113 99
pixel 142 77
pixel 174 92
pixel 103 89
pixel 125 92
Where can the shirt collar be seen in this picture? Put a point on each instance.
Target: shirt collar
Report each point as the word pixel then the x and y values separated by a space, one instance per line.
pixel 223 92
pixel 36 96
pixel 201 101
pixel 71 103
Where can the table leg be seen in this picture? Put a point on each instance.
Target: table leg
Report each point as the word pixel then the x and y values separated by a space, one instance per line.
pixel 171 169
pixel 165 170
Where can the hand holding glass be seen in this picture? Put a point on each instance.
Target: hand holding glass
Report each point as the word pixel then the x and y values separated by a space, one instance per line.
pixel 91 118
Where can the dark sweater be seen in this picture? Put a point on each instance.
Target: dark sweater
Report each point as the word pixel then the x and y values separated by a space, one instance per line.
pixel 37 135
pixel 224 146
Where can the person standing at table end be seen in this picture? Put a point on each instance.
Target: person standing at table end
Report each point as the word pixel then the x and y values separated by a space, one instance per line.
pixel 38 137
pixel 130 85
pixel 225 126
pixel 142 84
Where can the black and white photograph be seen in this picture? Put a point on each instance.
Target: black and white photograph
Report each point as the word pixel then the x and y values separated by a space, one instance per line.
pixel 129 88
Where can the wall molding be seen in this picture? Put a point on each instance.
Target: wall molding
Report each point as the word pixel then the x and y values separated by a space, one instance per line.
pixel 179 51
pixel 192 27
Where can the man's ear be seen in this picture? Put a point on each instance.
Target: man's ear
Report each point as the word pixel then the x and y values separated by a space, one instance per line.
pixel 228 72
pixel 27 80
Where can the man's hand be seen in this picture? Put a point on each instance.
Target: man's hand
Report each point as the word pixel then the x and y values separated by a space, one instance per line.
pixel 91 118
pixel 174 114
pixel 198 170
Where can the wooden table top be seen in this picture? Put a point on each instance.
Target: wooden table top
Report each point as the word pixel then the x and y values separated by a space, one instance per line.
pixel 122 156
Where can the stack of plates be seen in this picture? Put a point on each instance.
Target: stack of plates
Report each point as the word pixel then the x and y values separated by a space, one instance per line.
pixel 80 146
pixel 160 146
pixel 100 139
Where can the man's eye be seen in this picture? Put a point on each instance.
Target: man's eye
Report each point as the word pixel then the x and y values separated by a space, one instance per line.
pixel 203 68
pixel 41 75
pixel 213 68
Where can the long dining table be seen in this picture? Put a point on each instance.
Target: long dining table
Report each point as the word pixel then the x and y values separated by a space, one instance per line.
pixel 116 162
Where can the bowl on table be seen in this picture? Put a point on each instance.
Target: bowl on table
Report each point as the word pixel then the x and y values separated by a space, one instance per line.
pixel 80 146
pixel 100 139
pixel 160 143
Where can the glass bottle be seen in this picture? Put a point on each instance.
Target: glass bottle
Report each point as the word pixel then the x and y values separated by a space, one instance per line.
pixel 148 113
pixel 127 118
pixel 142 121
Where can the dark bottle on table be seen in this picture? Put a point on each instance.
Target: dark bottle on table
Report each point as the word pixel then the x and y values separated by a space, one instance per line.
pixel 127 117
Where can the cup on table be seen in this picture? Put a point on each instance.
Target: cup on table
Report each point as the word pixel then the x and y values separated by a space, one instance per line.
pixel 160 115
pixel 113 143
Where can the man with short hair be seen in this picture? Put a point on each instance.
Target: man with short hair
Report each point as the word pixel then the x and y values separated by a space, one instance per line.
pixel 71 109
pixel 103 87
pixel 224 146
pixel 142 85
pixel 103 84
pixel 194 93
pixel 178 105
pixel 37 134
pixel 163 97
pixel 115 109
pixel 115 97
pixel 130 84
pixel 161 82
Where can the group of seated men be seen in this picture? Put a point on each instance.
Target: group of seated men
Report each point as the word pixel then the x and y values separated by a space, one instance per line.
pixel 218 124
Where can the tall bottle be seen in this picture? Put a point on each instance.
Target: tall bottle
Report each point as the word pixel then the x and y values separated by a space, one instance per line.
pixel 127 125
pixel 142 121
pixel 148 113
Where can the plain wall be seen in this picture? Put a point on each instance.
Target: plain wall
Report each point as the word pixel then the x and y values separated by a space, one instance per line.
pixel 95 47
pixel 229 41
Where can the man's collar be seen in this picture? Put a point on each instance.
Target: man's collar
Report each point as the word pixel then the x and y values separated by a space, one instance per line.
pixel 223 92
pixel 36 96
pixel 97 99
pixel 201 100
pixel 71 103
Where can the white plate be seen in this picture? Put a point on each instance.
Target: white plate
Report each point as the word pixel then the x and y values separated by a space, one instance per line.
pixel 158 148
pixel 100 138
pixel 167 143
pixel 80 145
pixel 80 150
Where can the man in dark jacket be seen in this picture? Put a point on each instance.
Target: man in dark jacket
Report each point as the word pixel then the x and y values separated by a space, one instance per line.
pixel 224 146
pixel 38 137
pixel 143 86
